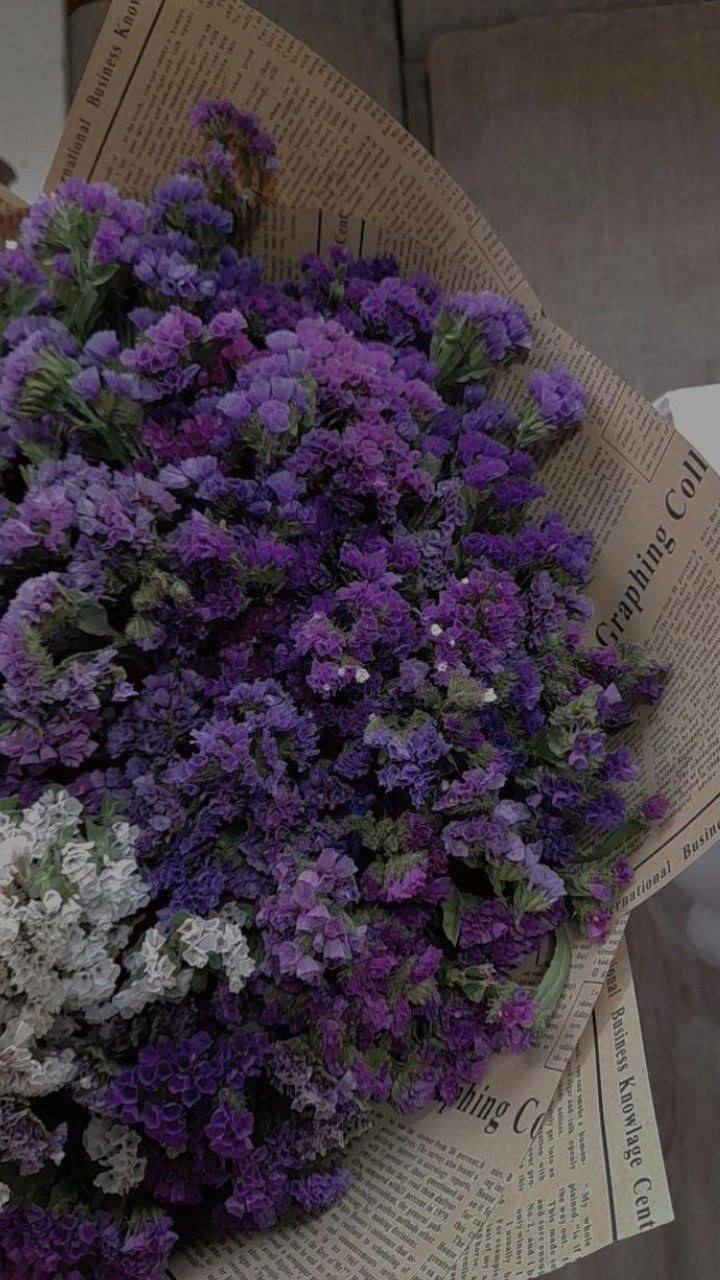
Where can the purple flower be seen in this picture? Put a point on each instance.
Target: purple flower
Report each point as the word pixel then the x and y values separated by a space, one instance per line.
pixel 229 1132
pixel 503 323
pixel 600 891
pixel 597 924
pixel 320 1189
pixel 519 1011
pixel 87 383
pixel 622 872
pixel 561 401
pixel 655 808
pixel 606 810
pixel 547 882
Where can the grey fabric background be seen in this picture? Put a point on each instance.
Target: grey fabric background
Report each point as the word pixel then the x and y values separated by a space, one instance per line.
pixel 425 19
pixel 590 142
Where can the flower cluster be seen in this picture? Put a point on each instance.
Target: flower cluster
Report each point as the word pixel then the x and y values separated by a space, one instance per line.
pixel 303 749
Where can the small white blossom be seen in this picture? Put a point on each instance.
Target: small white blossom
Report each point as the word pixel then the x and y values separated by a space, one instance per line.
pixel 70 903
pixel 24 1075
pixel 235 955
pixel 436 630
pixel 217 937
pixel 155 975
pixel 362 675
pixel 63 904
pixel 489 695
pixel 117 1150
pixel 197 938
pixel 5 1193
pixel 52 902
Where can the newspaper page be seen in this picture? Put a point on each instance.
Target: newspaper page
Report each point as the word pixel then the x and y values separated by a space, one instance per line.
pixel 592 1174
pixel 650 499
pixel 12 208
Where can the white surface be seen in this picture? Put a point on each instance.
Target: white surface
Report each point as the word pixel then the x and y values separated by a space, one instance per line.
pixel 696 413
pixel 32 87
pixel 690 907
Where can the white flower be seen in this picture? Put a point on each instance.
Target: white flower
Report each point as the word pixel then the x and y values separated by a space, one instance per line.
pixel 22 1075
pixel 117 1149
pixel 362 675
pixel 234 952
pixel 489 695
pixel 221 936
pixel 65 901
pixel 70 903
pixel 196 942
pixel 4 1193
pixel 436 630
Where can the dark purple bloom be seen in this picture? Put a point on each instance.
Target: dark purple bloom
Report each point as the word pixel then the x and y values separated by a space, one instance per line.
pixel 561 400
pixel 656 808
pixel 606 810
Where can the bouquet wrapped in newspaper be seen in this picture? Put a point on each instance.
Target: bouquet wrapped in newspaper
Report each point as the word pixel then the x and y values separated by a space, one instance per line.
pixel 319 783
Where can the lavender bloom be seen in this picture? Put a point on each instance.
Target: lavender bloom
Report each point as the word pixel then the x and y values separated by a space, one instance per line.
pixel 655 808
pixel 561 401
pixel 503 323
pixel 474 333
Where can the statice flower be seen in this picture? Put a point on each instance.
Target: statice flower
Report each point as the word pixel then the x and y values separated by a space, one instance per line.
pixel 556 401
pixel 474 333
pixel 303 751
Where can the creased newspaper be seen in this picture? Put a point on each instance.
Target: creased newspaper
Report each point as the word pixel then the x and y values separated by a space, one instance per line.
pixel 12 208
pixel 431 1184
pixel 593 1174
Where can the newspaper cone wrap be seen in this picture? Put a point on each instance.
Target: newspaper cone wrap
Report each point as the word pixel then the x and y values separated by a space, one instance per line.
pixel 427 1198
pixel 12 208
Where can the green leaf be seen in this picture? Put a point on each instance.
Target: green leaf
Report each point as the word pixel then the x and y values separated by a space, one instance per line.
pixel 501 873
pixel 140 627
pixel 528 901
pixel 422 991
pixel 91 618
pixel 559 740
pixel 552 984
pixel 474 982
pixel 452 916
pixel 466 692
pixel 101 275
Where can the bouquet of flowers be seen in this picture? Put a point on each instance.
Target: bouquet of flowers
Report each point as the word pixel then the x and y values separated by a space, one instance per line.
pixel 304 749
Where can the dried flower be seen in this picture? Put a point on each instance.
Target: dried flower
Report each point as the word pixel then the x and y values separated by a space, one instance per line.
pixel 301 753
